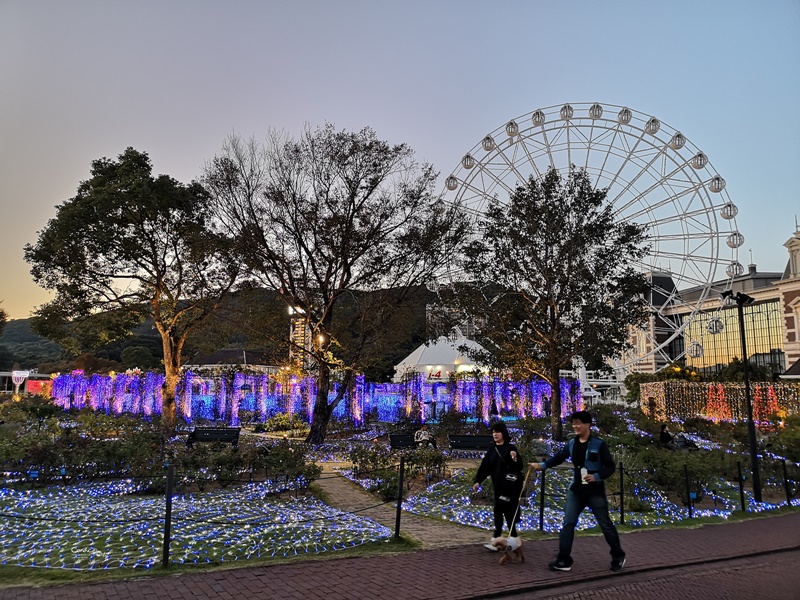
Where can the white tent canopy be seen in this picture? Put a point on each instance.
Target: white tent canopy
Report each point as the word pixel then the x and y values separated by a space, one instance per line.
pixel 438 359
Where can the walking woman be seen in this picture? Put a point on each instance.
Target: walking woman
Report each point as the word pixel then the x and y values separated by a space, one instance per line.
pixel 503 464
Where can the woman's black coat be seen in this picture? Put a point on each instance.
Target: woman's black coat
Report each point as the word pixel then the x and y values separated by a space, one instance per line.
pixel 496 464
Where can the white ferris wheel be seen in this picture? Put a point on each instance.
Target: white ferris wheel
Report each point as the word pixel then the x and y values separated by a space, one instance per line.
pixel 654 175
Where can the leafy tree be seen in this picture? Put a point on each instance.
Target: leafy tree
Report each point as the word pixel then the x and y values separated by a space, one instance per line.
pixel 787 440
pixel 734 371
pixel 3 319
pixel 6 358
pixel 138 357
pixel 39 409
pixel 127 247
pixel 633 381
pixel 553 280
pixel 342 226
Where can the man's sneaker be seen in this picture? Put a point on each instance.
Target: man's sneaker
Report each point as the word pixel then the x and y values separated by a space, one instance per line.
pixel 560 564
pixel 617 564
pixel 490 546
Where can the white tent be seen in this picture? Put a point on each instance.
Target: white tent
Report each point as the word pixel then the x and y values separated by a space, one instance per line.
pixel 438 359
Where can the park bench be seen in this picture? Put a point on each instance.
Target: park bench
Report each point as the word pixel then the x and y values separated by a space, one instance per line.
pixel 684 444
pixel 213 434
pixel 470 442
pixel 540 448
pixel 401 440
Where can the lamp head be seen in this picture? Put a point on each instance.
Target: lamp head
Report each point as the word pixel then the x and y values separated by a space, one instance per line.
pixel 726 298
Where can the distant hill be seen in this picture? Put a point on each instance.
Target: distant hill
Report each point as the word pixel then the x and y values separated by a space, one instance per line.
pixel 399 336
pixel 18 344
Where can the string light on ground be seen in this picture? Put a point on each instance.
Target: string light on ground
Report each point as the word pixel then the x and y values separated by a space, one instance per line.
pixel 102 526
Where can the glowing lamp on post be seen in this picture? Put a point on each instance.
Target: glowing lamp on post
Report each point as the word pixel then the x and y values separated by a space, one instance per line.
pixel 18 377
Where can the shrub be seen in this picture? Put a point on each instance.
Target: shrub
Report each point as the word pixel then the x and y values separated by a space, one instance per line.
pixel 284 422
pixel 371 460
pixel 226 464
pixel 289 459
pixel 668 469
pixel 608 419
pixel 452 422
pixel 787 439
pixel 387 487
pixel 428 459
pixel 636 504
pixel 486 493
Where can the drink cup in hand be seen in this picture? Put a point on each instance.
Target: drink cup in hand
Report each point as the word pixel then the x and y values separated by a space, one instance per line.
pixel 584 473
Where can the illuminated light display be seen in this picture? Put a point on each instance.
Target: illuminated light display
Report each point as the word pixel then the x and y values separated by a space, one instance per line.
pixel 108 525
pixel 104 526
pixel 454 501
pixel 680 400
pixel 765 408
pixel 213 398
pixel 717 408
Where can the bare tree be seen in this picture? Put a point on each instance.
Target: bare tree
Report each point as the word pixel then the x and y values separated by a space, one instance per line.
pixel 342 225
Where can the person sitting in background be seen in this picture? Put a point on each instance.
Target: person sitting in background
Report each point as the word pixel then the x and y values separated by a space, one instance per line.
pixel 665 437
pixel 424 439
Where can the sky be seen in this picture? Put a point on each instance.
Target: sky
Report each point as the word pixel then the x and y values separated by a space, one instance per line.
pixel 86 79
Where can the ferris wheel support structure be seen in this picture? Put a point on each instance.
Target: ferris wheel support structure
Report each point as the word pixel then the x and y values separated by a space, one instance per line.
pixel 653 175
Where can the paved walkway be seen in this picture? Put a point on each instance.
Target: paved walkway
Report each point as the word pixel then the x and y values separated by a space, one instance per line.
pixel 348 496
pixel 463 570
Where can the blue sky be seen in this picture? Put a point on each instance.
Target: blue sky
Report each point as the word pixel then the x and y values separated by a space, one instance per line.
pixel 85 79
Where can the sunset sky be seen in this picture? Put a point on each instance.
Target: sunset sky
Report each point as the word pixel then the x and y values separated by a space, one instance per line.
pixel 85 79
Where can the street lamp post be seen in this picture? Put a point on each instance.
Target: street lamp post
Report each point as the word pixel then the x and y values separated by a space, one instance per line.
pixel 741 300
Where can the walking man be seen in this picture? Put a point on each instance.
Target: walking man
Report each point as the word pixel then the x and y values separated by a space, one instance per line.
pixel 592 463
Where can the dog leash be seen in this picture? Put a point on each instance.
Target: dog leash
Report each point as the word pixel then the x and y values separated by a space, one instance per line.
pixel 521 492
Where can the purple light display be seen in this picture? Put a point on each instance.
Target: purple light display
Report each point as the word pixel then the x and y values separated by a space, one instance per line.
pixel 215 399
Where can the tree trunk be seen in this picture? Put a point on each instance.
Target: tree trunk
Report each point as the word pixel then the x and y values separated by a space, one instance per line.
pixel 322 410
pixel 555 405
pixel 172 375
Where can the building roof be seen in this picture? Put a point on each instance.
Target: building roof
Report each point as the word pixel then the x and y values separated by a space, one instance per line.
pixel 442 354
pixel 748 282
pixel 792 372
pixel 231 356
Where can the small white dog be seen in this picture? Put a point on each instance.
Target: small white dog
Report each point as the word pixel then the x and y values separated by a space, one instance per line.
pixel 510 547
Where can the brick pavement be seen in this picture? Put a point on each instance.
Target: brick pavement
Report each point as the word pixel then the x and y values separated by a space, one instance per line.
pixel 460 572
pixel 773 576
